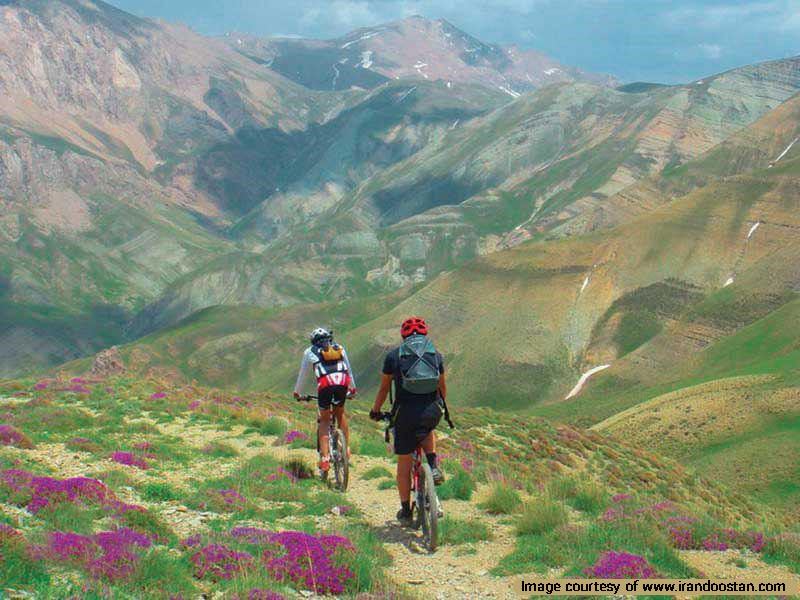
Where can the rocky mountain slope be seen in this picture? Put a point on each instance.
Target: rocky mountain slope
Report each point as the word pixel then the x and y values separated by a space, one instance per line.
pixel 559 161
pixel 413 48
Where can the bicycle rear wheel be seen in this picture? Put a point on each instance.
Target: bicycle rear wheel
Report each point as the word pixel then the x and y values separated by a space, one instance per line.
pixel 428 508
pixel 341 468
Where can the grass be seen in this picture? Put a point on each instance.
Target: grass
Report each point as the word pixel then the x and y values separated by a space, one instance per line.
pixel 376 472
pixel 370 446
pixel 502 500
pixel 459 484
pixel 454 531
pixel 541 516
pixel 386 484
pixel 159 492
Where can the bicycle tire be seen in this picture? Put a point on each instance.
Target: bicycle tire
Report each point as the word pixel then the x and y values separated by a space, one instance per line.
pixel 340 464
pixel 429 509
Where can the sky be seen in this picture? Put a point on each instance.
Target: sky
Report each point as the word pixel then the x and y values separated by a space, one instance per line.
pixel 667 41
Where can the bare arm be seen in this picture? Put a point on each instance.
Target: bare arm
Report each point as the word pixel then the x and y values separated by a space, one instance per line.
pixel 383 391
pixel 442 387
pixel 305 365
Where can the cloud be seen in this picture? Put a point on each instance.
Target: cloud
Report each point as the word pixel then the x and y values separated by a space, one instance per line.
pixel 713 51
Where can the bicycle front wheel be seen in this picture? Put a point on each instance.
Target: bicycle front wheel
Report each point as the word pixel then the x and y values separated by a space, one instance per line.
pixel 429 508
pixel 341 467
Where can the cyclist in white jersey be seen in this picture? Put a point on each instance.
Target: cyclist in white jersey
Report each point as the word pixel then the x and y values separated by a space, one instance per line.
pixel 335 382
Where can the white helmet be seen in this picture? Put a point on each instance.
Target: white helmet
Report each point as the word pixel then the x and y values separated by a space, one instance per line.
pixel 320 334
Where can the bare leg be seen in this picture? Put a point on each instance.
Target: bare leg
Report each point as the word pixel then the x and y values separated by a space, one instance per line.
pixel 324 442
pixel 341 418
pixel 404 463
pixel 429 443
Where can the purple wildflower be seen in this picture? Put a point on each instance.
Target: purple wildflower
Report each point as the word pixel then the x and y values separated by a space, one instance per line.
pixel 127 458
pixel 220 562
pixel 232 499
pixel 158 395
pixel 191 541
pixel 42 385
pixel 252 535
pixel 293 435
pixel 109 554
pixel 620 498
pixel 308 560
pixel 621 565
pixel 467 464
pixel 47 492
pixel 77 380
pixel 10 436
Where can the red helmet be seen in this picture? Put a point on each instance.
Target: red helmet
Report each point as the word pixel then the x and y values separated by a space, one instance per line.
pixel 413 325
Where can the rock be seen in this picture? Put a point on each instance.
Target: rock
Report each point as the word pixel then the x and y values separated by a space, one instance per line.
pixel 108 362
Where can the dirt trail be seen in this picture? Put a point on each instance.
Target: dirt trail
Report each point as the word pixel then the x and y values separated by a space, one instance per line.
pixel 449 573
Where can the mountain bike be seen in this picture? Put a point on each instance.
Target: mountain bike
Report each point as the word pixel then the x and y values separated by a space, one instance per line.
pixel 338 448
pixel 425 506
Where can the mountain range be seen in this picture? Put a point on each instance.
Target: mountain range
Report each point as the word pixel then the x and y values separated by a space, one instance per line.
pixel 610 270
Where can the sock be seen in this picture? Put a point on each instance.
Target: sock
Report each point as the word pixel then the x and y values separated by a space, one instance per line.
pixel 406 506
pixel 431 459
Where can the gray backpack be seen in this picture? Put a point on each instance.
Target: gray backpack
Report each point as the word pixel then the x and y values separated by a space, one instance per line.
pixel 422 377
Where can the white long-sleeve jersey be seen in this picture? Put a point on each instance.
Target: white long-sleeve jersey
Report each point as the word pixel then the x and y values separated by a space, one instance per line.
pixel 307 366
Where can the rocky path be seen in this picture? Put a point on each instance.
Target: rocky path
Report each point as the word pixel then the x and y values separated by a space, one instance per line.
pixel 452 572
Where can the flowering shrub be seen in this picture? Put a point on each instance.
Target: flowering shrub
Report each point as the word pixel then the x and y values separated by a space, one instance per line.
pixel 231 499
pixel 219 562
pixel 158 396
pixel 308 560
pixel 294 435
pixel 108 555
pixel 252 535
pixel 83 444
pixel 621 565
pixel 42 385
pixel 38 492
pixel 282 473
pixel 10 436
pixel 191 541
pixel 130 459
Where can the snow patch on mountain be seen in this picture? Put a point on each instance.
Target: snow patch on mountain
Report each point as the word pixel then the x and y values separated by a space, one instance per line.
pixel 366 59
pixel 753 230
pixel 584 378
pixel 552 71
pixel 585 283
pixel 782 154
pixel 366 36
pixel 728 282
pixel 509 91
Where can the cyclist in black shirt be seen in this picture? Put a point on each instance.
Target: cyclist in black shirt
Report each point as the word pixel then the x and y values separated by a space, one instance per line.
pixel 417 414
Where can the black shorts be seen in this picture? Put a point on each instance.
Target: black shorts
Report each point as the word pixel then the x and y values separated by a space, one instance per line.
pixel 333 394
pixel 414 421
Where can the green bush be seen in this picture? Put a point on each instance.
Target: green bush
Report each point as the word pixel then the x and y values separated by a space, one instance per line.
pixel 589 498
pixel 370 446
pixel 377 472
pixel 386 484
pixel 159 492
pixel 502 500
pixel 459 485
pixel 563 487
pixel 462 531
pixel 540 516
pixel 272 426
